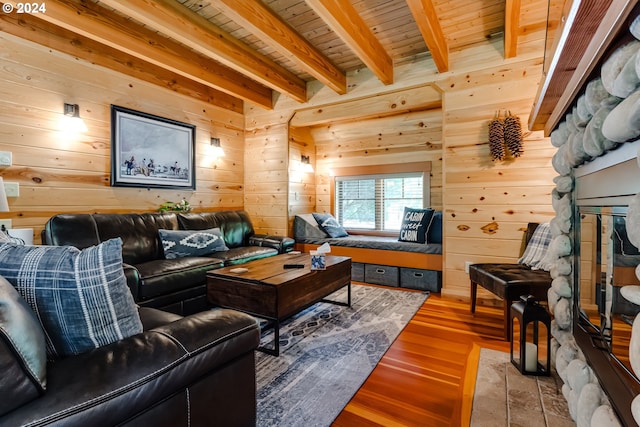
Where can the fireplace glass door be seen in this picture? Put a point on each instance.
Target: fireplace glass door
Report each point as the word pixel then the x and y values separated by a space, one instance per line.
pixel 607 265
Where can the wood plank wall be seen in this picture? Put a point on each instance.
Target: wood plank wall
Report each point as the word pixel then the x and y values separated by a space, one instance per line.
pixel 59 173
pixel 487 204
pixel 302 186
pixel 413 136
pixel 399 126
pixel 266 191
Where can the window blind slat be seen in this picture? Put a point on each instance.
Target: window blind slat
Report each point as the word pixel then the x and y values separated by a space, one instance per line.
pixel 376 202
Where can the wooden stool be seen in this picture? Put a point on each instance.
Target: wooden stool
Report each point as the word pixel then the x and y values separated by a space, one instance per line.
pixel 509 282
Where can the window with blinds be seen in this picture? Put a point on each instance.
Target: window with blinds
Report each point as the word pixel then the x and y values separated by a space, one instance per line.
pixel 376 202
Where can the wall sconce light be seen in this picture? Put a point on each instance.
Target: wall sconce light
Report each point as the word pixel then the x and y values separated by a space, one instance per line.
pixel 306 165
pixel 217 149
pixel 72 120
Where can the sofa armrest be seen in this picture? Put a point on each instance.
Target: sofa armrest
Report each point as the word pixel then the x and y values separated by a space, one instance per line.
pixel 214 327
pixel 113 383
pixel 133 279
pixel 282 244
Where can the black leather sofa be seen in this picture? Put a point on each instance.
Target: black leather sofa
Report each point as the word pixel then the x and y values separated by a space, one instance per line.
pixel 174 285
pixel 181 371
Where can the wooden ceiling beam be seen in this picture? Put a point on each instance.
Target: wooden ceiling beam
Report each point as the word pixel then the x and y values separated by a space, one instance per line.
pixel 262 22
pixel 178 22
pixel 28 27
pixel 511 27
pixel 425 15
pixel 345 21
pixel 108 28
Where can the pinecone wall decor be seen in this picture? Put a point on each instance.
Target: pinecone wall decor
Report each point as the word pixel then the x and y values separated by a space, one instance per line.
pixel 513 135
pixel 496 138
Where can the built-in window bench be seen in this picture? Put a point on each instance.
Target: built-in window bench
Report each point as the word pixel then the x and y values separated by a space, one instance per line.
pixel 379 260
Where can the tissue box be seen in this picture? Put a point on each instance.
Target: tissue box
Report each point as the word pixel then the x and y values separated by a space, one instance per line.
pixel 318 261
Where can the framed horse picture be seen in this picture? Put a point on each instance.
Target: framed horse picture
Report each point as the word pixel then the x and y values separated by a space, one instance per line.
pixel 150 151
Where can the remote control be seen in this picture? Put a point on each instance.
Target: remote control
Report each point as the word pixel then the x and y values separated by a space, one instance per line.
pixel 294 266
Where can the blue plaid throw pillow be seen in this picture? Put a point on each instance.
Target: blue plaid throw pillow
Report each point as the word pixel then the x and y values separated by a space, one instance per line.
pixel 80 297
pixel 534 253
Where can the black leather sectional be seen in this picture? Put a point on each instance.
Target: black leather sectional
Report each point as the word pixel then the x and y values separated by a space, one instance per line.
pixel 189 367
pixel 175 285
pixel 189 371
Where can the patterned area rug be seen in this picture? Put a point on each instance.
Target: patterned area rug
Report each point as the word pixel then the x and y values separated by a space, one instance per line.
pixel 504 397
pixel 326 354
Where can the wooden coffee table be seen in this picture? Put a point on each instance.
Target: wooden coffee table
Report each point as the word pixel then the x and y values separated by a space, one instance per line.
pixel 269 291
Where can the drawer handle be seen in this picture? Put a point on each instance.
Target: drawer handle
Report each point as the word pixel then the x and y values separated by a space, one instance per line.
pixel 380 270
pixel 417 274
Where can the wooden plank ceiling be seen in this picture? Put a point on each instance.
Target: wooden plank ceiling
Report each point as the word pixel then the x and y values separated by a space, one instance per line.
pixel 230 51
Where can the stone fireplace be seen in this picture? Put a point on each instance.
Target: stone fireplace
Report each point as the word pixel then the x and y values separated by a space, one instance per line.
pixel 599 178
pixel 592 319
pixel 591 110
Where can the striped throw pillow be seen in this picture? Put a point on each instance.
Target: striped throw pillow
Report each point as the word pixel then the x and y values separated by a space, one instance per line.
pixel 80 297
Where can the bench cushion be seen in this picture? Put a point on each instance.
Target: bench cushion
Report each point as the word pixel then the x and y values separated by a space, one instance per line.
pixel 509 281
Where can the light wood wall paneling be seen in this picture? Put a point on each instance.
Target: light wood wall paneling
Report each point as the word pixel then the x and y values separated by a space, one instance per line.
pixel 302 186
pixel 500 196
pixel 487 203
pixel 266 179
pixel 58 172
pixel 29 65
pixel 401 138
pixel 424 97
pixel 57 38
pixel 461 215
pixel 406 125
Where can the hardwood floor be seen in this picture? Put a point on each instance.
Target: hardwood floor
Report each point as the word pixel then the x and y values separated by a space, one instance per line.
pixel 423 378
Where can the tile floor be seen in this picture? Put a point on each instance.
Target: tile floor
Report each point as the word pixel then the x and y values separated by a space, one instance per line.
pixel 504 397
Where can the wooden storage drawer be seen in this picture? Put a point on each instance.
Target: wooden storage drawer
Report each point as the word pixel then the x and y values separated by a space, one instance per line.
pixel 381 274
pixel 426 280
pixel 357 272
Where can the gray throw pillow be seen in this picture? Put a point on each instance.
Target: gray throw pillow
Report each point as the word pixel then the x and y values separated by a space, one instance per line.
pixel 80 297
pixel 306 226
pixel 185 243
pixel 330 225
